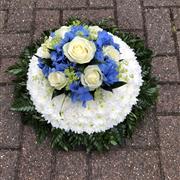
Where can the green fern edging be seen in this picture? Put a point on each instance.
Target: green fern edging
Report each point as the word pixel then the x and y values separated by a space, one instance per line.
pixel 70 140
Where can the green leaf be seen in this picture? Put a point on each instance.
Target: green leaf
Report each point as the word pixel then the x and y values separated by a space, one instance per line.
pixel 22 105
pixel 118 84
pixel 57 92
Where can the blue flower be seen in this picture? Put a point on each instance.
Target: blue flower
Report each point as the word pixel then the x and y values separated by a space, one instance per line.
pixel 80 93
pixel 105 39
pixel 99 55
pixel 60 66
pixel 57 57
pixel 52 34
pixel 81 30
pixel 110 72
pixel 45 68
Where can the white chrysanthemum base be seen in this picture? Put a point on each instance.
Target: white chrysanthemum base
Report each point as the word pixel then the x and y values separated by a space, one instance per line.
pixel 99 115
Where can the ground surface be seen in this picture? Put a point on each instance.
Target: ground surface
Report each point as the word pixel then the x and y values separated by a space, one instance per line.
pixel 153 153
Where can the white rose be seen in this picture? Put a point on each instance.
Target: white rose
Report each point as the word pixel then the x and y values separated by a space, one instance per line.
pixel 79 50
pixel 43 52
pixel 92 77
pixel 62 31
pixel 57 80
pixel 112 53
pixel 93 30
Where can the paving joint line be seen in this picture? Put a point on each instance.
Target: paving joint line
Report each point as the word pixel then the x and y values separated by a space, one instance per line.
pixel 115 12
pixel 53 164
pixel 88 3
pixel 168 113
pixel 174 35
pixel 18 166
pixel 157 140
pixel 89 166
pixel 6 19
pixel 77 8
pixel 160 7
pixel 9 148
pixel 144 23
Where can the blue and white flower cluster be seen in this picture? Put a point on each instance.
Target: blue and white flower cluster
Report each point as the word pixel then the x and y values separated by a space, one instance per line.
pixel 81 64
pixel 78 60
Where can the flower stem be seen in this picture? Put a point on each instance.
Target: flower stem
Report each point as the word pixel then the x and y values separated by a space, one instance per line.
pixel 63 102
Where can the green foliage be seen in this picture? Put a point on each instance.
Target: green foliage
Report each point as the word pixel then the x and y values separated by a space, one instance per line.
pixel 96 141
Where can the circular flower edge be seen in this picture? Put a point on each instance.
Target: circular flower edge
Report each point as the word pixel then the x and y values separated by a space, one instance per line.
pixel 99 141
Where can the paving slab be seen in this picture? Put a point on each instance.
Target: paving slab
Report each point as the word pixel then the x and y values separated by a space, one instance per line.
pixel 46 19
pixel 35 158
pixel 96 14
pixel 156 3
pixel 10 124
pixel 102 3
pixel 13 44
pixel 8 164
pixel 61 3
pixel 19 20
pixel 169 98
pixel 5 63
pixel 159 31
pixel 170 145
pixel 18 4
pixel 71 165
pixel 165 69
pixel 129 14
pixel 125 165
pixel 144 134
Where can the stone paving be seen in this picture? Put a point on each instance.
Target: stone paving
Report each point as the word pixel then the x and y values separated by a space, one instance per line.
pixel 153 153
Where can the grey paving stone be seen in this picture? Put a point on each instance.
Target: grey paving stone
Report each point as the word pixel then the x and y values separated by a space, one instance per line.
pixel 19 20
pixel 102 3
pixel 169 98
pixel 4 4
pixel 144 134
pixel 156 3
pixel 5 63
pixel 125 165
pixel 13 44
pixel 2 19
pixel 46 19
pixel 129 14
pixel 176 13
pixel 159 31
pixel 36 158
pixel 61 3
pixel 18 4
pixel 165 68
pixel 169 131
pixel 170 145
pixel 9 121
pixel 89 14
pixel 171 163
pixel 70 165
pixel 8 163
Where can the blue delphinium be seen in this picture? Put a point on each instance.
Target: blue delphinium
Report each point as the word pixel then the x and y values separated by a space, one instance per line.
pixel 44 67
pixel 110 71
pixel 104 39
pixel 80 93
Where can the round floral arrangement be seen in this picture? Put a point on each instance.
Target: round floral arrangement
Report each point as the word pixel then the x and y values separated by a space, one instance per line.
pixel 85 84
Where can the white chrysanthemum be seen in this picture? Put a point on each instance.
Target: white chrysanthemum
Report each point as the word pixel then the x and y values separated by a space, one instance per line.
pixel 98 115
